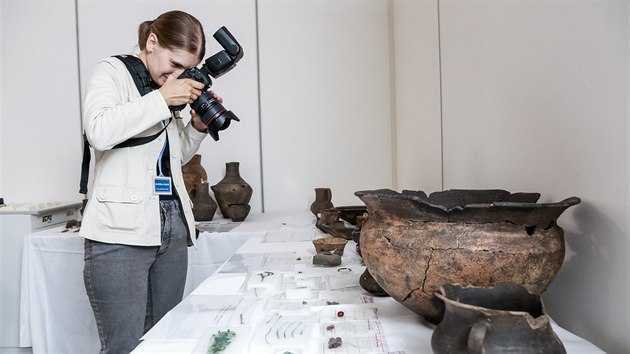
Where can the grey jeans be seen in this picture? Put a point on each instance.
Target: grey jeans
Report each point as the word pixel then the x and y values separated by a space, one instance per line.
pixel 131 287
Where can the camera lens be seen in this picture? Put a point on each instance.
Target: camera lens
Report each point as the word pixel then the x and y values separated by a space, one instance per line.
pixel 213 114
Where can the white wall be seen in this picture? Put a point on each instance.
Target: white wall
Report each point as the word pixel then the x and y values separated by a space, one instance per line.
pixel 325 100
pixel 535 98
pixel 40 141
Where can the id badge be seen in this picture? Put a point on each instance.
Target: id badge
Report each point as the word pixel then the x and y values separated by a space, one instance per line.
pixel 162 185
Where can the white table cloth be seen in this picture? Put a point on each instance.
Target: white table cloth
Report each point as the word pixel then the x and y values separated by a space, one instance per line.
pixel 182 331
pixel 55 314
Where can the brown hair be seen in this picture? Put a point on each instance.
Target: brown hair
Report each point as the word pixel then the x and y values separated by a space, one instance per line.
pixel 175 30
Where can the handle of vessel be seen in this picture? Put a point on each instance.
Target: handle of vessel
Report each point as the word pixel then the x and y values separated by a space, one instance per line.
pixel 476 335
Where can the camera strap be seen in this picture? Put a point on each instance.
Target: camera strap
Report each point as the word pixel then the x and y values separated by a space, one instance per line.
pixel 144 84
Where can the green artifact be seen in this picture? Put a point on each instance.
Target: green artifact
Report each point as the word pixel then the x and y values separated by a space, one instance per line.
pixel 220 341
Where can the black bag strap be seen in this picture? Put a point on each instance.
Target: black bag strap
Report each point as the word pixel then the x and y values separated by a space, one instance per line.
pixel 139 73
pixel 85 166
pixel 144 84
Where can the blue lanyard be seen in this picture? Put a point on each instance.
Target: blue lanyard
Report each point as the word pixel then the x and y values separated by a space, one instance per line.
pixel 160 157
pixel 163 148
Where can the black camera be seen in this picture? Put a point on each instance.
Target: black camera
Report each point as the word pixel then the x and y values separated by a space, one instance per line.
pixel 212 112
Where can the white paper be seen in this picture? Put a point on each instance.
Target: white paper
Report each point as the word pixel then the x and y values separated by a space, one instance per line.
pixel 248 312
pixel 349 312
pixel 165 346
pixel 289 235
pixel 281 330
pixel 221 284
pixel 243 263
pixel 350 328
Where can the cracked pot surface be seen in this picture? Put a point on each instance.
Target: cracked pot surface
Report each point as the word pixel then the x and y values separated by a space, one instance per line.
pixel 480 238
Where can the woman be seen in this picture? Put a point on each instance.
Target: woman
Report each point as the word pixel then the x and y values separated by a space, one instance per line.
pixel 138 219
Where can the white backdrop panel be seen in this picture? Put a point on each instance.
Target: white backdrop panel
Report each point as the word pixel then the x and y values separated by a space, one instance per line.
pixel 417 94
pixel 41 145
pixel 110 27
pixel 2 50
pixel 325 100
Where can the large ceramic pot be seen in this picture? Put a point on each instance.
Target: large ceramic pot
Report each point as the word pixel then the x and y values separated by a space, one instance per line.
pixel 413 243
pixel 503 319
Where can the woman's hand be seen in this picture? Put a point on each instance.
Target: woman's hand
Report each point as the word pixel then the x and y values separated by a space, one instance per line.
pixel 197 123
pixel 180 91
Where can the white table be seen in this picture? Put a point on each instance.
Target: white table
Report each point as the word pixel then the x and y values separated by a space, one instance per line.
pixel 55 314
pixel 182 329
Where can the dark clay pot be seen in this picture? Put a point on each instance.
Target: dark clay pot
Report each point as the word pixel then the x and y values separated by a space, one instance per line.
pixel 327 216
pixel 193 173
pixel 204 206
pixel 370 285
pixel 238 212
pixel 323 201
pixel 232 189
pixel 413 243
pixel 503 319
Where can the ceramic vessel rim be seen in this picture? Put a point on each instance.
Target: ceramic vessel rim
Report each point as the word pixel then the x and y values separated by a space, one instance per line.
pixel 391 194
pixel 333 240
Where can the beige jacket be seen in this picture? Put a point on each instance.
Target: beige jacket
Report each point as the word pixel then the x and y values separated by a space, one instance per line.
pixel 122 207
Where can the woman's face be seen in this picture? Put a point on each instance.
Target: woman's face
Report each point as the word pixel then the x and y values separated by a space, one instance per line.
pixel 162 62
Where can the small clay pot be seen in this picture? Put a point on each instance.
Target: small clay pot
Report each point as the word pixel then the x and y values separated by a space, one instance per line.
pixel 327 216
pixel 370 285
pixel 238 212
pixel 232 189
pixel 330 244
pixel 323 200
pixel 204 206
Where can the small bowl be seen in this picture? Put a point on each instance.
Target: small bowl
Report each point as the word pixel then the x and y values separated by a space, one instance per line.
pixel 330 244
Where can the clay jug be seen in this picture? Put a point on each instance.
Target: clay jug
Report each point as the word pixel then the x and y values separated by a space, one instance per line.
pixel 323 201
pixel 503 319
pixel 232 189
pixel 193 173
pixel 204 206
